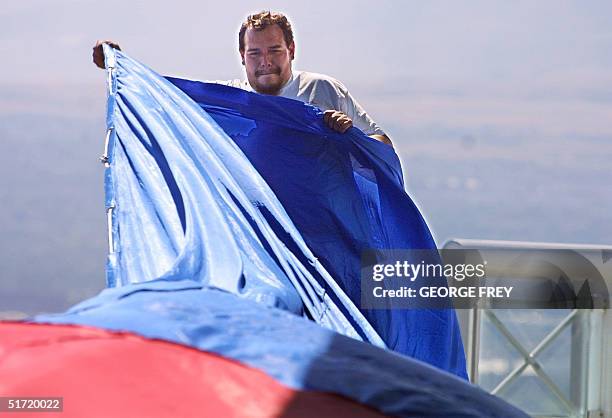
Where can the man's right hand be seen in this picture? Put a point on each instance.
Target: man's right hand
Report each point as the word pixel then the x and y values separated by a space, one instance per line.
pixel 98 52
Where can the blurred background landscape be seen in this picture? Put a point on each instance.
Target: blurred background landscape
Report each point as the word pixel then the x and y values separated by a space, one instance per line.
pixel 500 111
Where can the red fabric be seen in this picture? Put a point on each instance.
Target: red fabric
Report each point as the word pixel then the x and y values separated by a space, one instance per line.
pixel 106 374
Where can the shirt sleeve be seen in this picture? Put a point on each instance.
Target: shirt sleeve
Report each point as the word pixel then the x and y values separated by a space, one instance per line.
pixel 360 118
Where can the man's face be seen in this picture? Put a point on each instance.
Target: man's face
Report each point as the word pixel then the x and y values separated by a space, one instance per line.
pixel 267 59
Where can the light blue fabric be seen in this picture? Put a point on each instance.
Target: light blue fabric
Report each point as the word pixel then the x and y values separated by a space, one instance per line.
pixel 187 204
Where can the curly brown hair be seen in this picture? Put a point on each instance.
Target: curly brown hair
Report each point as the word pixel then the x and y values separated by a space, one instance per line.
pixel 260 21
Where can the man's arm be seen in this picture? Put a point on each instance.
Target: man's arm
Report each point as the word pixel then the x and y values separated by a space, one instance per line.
pixel 351 113
pixel 340 122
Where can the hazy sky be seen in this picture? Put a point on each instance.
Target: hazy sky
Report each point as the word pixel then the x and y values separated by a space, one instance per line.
pixel 361 41
pixel 543 64
pixel 499 110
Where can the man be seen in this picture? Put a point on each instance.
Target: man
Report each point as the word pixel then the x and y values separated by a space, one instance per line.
pixel 267 49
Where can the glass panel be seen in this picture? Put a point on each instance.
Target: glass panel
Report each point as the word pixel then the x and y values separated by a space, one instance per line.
pixel 530 326
pixel 497 357
pixel 533 396
pixel 556 360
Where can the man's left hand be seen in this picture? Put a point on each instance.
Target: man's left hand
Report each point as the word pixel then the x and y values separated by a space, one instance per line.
pixel 338 121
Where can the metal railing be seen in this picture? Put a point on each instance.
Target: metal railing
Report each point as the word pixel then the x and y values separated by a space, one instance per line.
pixel 512 358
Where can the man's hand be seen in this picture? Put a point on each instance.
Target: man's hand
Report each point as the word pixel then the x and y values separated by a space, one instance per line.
pixel 338 121
pixel 98 52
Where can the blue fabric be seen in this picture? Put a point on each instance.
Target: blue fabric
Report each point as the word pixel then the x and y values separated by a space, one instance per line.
pixel 291 349
pixel 254 195
pixel 345 194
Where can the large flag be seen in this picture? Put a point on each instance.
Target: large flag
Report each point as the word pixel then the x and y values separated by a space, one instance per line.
pixel 255 195
pixel 237 223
